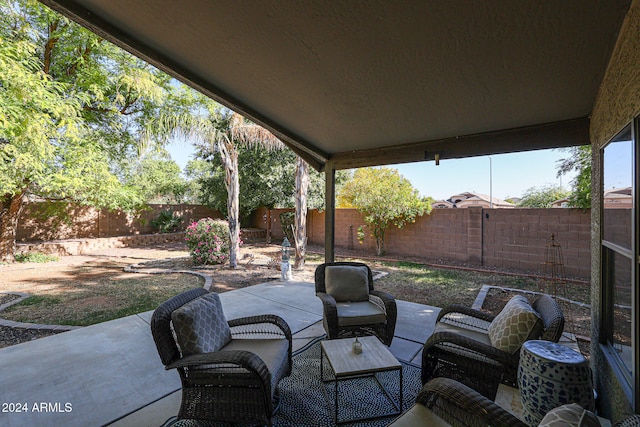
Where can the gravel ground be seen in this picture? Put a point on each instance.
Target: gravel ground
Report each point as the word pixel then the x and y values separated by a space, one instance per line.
pixel 13 336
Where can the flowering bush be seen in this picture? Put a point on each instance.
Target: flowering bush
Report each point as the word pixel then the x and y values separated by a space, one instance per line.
pixel 208 241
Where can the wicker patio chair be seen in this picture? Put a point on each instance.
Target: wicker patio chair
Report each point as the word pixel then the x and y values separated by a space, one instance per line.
pixel 229 370
pixel 460 347
pixel 632 421
pixel 351 306
pixel 446 402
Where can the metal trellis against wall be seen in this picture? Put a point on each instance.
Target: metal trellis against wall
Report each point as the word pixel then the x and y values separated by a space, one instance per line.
pixel 555 283
pixel 554 274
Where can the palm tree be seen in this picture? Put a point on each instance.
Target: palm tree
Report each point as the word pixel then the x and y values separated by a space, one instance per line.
pixel 245 132
pixel 300 232
pixel 221 132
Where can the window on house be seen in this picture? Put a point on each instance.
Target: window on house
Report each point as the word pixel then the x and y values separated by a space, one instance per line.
pixel 620 260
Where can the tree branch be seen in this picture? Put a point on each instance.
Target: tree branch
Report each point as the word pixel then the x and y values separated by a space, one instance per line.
pixel 48 47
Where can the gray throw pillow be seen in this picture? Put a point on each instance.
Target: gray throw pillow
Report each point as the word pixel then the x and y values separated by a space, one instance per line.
pixel 200 325
pixel 515 324
pixel 570 415
pixel 347 283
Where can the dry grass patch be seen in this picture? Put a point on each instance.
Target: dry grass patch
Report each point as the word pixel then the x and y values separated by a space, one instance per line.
pixel 440 287
pixel 93 297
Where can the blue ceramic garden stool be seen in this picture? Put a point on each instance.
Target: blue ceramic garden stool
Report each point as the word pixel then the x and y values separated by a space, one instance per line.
pixel 551 375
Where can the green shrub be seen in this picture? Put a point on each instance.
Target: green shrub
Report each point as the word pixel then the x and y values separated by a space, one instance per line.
pixel 35 257
pixel 208 241
pixel 167 222
pixel 287 219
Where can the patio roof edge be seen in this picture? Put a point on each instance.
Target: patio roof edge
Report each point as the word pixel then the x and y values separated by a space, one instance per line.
pixel 561 134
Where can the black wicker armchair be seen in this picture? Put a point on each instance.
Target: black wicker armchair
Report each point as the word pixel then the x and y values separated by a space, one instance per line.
pixel 228 373
pixel 351 306
pixel 460 347
pixel 446 402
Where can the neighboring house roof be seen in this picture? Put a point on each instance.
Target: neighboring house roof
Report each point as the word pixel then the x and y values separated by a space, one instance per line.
pixel 618 198
pixel 625 191
pixel 612 198
pixel 468 199
pixel 560 203
pixel 442 204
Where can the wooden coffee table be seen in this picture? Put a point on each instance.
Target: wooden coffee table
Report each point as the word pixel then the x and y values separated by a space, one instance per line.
pixel 346 365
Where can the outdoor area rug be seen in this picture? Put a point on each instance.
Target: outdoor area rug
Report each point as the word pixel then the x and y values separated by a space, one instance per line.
pixel 308 402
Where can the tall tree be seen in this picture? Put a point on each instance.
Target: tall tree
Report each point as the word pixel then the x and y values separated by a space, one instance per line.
pixel 579 160
pixel 302 188
pixel 542 197
pixel 71 105
pixel 221 132
pixel 266 178
pixel 156 177
pixel 383 197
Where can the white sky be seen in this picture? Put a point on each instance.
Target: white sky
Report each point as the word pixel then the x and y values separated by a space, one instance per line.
pixel 512 174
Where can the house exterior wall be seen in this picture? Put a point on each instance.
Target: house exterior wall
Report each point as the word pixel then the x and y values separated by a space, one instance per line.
pixel 618 102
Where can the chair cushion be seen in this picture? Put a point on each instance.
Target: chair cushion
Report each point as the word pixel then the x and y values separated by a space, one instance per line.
pixel 273 352
pixel 418 416
pixel 515 324
pixel 469 333
pixel 359 313
pixel 347 283
pixel 571 415
pixel 200 325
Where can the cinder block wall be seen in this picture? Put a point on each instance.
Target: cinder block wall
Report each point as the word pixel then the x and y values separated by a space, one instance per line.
pixel 518 238
pixel 510 238
pixel 87 222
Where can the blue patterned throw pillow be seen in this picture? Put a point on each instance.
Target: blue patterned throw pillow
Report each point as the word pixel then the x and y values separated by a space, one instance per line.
pixel 200 325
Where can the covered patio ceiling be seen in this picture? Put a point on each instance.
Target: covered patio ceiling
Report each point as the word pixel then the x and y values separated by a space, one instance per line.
pixel 361 83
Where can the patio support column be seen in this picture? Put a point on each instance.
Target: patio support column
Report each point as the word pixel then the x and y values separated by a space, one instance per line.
pixel 330 211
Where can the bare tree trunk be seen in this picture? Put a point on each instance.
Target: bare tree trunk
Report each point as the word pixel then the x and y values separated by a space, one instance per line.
pixel 9 214
pixel 379 235
pixel 229 156
pixel 302 187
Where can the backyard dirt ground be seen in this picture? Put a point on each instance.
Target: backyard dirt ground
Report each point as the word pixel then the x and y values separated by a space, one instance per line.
pixel 258 264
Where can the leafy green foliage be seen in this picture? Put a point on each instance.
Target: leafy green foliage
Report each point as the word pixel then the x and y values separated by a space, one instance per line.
pixel 167 222
pixel 384 198
pixel 37 257
pixel 287 220
pixel 157 179
pixel 579 160
pixel 73 109
pixel 208 241
pixel 542 197
pixel 267 178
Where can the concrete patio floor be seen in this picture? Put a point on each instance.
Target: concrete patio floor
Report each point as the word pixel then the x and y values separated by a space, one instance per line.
pixel 111 374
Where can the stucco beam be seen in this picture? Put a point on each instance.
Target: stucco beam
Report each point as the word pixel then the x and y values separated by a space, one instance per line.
pixel 549 135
